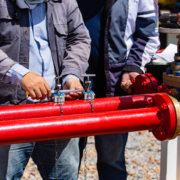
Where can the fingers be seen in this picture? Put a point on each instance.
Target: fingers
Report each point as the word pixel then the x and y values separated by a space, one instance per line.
pixel 73 84
pixel 126 83
pixel 44 92
pixel 36 85
pixel 130 90
pixel 32 94
pixel 127 86
pixel 38 93
pixel 48 90
pixel 74 95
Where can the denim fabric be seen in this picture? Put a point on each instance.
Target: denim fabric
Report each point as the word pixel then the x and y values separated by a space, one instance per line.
pixel 111 160
pixel 110 152
pixel 14 158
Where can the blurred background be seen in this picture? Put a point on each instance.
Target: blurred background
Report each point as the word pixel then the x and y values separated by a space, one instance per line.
pixel 168 6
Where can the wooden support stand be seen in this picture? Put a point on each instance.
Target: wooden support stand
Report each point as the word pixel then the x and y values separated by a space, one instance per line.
pixel 171 80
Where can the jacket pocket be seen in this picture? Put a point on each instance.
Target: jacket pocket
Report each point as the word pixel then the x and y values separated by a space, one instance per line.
pixel 11 48
pixel 61 38
pixel 9 28
pixel 9 32
pixel 61 34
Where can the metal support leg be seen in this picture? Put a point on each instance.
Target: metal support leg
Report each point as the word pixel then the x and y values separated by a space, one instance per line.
pixel 170 160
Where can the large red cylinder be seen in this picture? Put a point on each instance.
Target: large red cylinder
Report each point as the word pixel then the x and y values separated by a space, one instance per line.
pixel 62 127
pixel 73 107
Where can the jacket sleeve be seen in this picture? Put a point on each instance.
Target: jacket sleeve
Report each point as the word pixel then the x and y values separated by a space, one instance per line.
pixel 146 37
pixel 5 64
pixel 78 43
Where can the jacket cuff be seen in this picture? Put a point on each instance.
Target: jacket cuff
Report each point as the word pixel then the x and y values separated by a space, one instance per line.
pixel 132 68
pixel 16 74
pixel 74 71
pixel 66 77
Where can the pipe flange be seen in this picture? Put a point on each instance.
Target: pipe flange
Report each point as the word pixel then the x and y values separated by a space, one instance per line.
pixel 167 116
pixel 142 85
pixel 154 82
pixel 177 109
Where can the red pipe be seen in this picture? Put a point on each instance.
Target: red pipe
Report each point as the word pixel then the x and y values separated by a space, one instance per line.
pixel 62 127
pixel 73 107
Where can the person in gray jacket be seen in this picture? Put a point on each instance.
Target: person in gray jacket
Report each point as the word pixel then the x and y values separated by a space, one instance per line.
pixel 40 40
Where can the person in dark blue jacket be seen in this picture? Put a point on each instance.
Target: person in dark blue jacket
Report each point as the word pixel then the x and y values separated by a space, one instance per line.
pixel 124 37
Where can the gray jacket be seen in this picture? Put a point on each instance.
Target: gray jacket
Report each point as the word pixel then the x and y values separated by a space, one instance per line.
pixel 68 38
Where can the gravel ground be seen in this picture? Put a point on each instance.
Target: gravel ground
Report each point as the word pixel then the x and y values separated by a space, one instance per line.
pixel 142 159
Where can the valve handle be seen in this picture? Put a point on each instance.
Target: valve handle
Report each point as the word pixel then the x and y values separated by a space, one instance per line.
pixel 58 77
pixel 88 76
pixel 87 85
pixel 58 84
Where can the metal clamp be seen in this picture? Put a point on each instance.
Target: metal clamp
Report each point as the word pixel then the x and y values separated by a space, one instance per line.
pixel 59 96
pixel 88 94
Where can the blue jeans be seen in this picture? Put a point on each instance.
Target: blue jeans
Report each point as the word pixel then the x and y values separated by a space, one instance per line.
pixel 14 158
pixel 110 156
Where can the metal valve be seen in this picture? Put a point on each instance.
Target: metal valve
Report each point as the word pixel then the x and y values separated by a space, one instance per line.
pixel 58 97
pixel 59 94
pixel 88 94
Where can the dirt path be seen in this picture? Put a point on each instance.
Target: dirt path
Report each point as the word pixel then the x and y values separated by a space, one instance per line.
pixel 142 159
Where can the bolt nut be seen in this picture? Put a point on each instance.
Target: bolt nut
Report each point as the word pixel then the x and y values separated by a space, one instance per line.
pixel 169 91
pixel 164 106
pixel 144 83
pixel 162 133
pixel 160 88
pixel 133 81
pixel 150 102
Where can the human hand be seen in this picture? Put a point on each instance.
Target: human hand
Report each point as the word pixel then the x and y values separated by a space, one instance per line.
pixel 126 83
pixel 36 85
pixel 72 84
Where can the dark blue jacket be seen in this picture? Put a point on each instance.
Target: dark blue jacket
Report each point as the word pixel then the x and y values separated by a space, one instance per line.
pixel 124 37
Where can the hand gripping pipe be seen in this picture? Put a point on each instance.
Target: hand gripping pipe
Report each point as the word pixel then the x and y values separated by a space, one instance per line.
pixel 143 84
pixel 74 107
pixel 161 119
